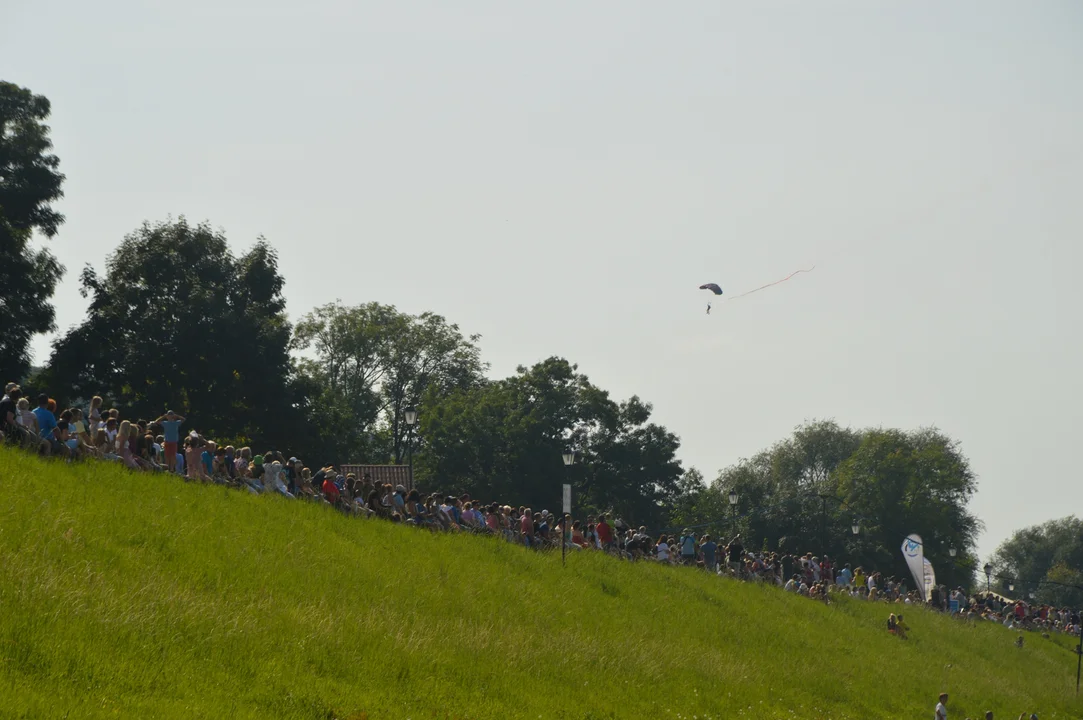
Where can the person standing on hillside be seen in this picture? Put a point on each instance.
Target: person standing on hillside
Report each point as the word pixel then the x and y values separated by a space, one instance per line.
pixel 736 554
pixel 942 707
pixel 171 423
pixel 709 548
pixel 605 533
pixel 688 547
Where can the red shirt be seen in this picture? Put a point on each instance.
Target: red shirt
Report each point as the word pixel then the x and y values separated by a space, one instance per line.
pixel 604 533
pixel 330 490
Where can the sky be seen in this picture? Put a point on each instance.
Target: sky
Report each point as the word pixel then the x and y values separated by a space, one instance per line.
pixel 560 177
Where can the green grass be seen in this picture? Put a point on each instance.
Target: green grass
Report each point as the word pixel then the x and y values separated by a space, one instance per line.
pixel 138 596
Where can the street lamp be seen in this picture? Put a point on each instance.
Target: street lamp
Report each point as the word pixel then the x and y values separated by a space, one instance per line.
pixel 952 551
pixel 988 575
pixel 1011 587
pixel 733 514
pixel 411 419
pixel 569 459
pixel 856 527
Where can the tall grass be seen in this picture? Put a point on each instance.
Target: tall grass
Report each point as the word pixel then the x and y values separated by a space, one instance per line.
pixel 125 595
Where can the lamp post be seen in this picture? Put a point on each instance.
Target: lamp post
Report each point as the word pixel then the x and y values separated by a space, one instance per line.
pixel 988 575
pixel 569 460
pixel 411 418
pixel 952 551
pixel 856 527
pixel 733 512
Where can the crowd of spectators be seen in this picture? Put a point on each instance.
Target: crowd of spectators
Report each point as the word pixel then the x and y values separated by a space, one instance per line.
pixel 160 445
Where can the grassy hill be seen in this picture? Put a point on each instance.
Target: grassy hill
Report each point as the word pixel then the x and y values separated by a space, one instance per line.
pixel 127 595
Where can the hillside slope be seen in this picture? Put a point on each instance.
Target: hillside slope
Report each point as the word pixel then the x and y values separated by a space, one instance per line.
pixel 126 595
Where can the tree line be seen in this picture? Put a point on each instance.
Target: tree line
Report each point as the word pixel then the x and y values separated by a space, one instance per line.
pixel 178 320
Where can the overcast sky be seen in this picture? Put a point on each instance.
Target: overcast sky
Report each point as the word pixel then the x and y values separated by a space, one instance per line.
pixel 561 176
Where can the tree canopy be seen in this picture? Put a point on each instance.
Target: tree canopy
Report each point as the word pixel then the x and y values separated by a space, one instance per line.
pixel 179 322
pixel 506 439
pixel 371 363
pixel 29 184
pixel 806 492
pixel 1043 559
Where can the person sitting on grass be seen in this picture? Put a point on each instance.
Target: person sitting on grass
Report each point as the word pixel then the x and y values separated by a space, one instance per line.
pixel 18 423
pixel 304 485
pixel 59 442
pixel 275 481
pixel 193 457
pixel 104 448
pixel 46 422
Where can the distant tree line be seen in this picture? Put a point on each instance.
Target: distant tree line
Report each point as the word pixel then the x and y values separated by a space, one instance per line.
pixel 178 320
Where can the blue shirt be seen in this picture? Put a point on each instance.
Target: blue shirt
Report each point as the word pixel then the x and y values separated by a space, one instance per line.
pixel 688 545
pixel 171 430
pixel 208 462
pixel 46 421
pixel 709 548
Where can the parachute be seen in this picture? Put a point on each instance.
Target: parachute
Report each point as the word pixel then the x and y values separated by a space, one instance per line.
pixel 713 287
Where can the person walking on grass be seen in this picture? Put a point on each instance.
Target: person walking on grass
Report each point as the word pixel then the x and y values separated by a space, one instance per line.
pixel 942 707
pixel 171 423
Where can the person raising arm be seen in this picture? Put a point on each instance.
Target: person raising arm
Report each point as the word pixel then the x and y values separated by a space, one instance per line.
pixel 171 423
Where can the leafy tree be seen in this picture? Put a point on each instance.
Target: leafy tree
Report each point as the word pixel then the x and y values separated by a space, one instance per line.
pixel 920 482
pixel 688 506
pixel 504 440
pixel 372 362
pixel 804 493
pixel 1050 551
pixel 780 492
pixel 178 321
pixel 29 183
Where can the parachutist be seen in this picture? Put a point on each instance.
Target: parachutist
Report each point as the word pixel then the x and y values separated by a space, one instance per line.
pixel 708 308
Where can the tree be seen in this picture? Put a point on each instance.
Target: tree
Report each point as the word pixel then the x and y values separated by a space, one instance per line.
pixel 179 322
pixel 781 492
pixel 372 362
pixel 504 440
pixel 1050 551
pixel 804 493
pixel 29 183
pixel 900 483
pixel 691 503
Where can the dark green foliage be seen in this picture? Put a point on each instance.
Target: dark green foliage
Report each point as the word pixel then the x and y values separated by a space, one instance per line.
pixel 179 322
pixel 805 493
pixel 29 183
pixel 371 363
pixel 1050 551
pixel 504 440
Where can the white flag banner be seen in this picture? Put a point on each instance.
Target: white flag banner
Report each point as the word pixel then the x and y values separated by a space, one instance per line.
pixel 930 578
pixel 914 552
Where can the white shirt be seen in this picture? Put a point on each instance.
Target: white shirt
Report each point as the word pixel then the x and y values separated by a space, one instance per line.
pixel 941 712
pixel 663 551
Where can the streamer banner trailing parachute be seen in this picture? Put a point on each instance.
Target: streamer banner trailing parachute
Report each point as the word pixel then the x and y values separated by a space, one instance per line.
pixel 772 284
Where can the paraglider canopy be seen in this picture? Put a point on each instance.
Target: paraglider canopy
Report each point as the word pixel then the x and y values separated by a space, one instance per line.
pixel 712 287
